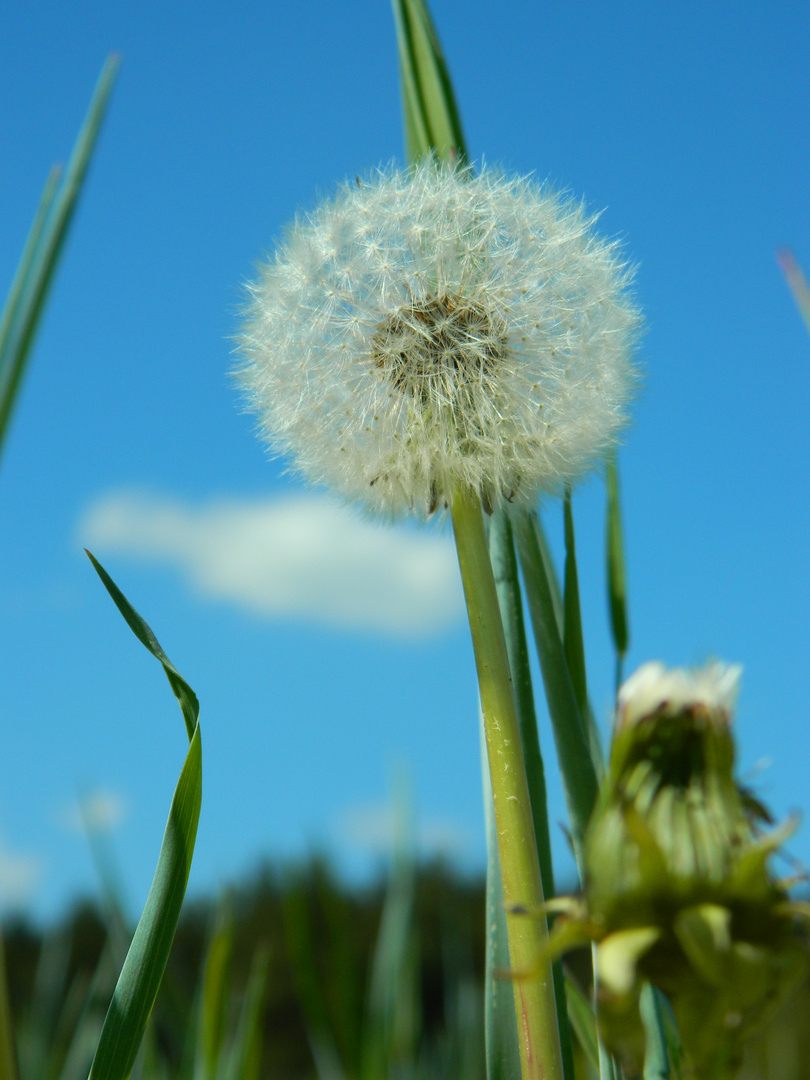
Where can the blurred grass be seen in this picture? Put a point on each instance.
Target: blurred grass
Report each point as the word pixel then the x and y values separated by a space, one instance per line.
pixel 344 924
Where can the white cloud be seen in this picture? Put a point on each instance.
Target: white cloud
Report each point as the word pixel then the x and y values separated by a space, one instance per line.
pixel 96 811
pixel 303 557
pixel 375 828
pixel 19 876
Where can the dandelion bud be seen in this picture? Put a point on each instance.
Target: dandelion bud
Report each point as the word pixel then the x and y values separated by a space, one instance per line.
pixel 677 889
pixel 435 328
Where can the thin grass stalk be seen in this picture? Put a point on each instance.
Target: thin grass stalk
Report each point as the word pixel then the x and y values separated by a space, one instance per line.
pixel 535 1005
pixel 505 570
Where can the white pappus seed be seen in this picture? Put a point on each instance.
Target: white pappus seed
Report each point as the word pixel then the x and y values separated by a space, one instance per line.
pixel 435 327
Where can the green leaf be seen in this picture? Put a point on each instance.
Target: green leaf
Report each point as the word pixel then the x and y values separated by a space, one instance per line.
pixel 32 281
pixel 580 783
pixel 432 121
pixel 143 968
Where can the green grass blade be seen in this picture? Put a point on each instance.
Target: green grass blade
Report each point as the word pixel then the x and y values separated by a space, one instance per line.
pixel 656 1055
pixel 583 1022
pixel 306 963
pixel 505 570
pixel 34 277
pixel 617 586
pixel 432 121
pixel 797 282
pixel 573 641
pixel 32 243
pixel 244 1061
pixel 580 783
pixel 143 968
pixel 213 997
pixel 394 1007
pixel 8 1055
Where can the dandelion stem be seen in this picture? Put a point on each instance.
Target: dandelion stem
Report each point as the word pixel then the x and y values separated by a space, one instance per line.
pixel 535 1007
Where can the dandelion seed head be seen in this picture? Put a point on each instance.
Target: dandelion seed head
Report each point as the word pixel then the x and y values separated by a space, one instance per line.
pixel 435 327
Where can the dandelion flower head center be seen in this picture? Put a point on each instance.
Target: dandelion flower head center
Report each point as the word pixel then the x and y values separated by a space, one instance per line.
pixel 440 349
pixel 438 327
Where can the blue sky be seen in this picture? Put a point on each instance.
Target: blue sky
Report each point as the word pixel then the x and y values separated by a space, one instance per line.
pixel 321 673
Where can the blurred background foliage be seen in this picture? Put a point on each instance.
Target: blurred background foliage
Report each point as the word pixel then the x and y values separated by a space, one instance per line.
pixel 316 944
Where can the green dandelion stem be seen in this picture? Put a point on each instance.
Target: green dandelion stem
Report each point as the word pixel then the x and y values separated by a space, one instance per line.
pixel 540 1054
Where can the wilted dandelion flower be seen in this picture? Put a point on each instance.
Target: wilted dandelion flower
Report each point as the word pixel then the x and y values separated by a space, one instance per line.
pixel 437 327
pixel 678 889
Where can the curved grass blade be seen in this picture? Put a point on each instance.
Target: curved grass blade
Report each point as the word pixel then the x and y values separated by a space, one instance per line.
pixel 143 968
pixel 35 273
pixel 617 586
pixel 432 121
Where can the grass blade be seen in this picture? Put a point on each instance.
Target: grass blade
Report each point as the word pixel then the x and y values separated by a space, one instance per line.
pixel 46 240
pixel 213 997
pixel 579 775
pixel 432 121
pixel 797 282
pixel 244 1062
pixel 307 959
pixel 15 294
pixel 8 1057
pixel 394 1006
pixel 573 642
pixel 617 586
pixel 583 1022
pixel 143 968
